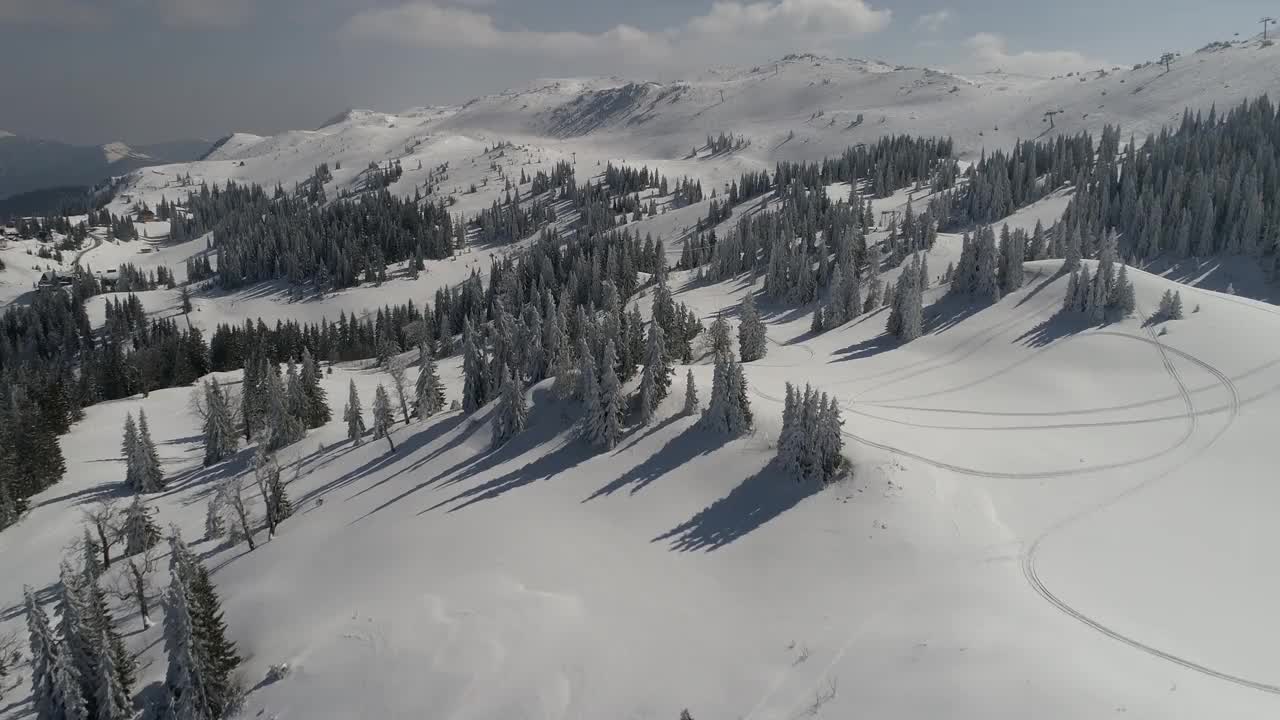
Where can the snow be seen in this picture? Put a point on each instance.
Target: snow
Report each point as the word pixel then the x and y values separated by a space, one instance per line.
pixel 1006 463
pixel 117 151
pixel 1043 518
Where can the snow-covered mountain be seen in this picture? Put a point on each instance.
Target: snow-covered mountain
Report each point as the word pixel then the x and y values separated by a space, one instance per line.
pixel 1044 518
pixel 802 107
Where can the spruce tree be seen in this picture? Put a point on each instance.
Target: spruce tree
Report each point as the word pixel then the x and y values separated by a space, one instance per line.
pixel 588 384
pixel 721 344
pixel 134 472
pixel 44 652
pixel 512 414
pixel 152 479
pixel 605 426
pixel 220 438
pixel 429 392
pixel 383 416
pixel 690 394
pixel 139 529
pixel 282 425
pixel 752 343
pixel 354 417
pixel 655 380
pixel 317 412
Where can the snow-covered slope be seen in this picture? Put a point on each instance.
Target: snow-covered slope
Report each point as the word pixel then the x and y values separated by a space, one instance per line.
pixel 799 108
pixel 1043 519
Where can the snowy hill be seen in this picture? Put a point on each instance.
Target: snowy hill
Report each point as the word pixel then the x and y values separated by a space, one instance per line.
pixel 1041 515
pixel 802 107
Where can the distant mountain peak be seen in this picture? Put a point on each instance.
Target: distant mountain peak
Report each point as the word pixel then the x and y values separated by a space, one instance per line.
pixel 116 151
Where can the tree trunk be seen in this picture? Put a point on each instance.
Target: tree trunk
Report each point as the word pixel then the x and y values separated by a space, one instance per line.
pixel 106 547
pixel 139 580
pixel 389 442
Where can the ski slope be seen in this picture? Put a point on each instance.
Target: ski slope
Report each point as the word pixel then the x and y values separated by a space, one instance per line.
pixel 1043 518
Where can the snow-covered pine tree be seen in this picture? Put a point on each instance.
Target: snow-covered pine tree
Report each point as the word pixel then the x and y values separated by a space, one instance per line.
pixel 152 479
pixel 605 425
pixel 354 417
pixel 752 342
pixel 721 344
pixel 831 438
pixel 655 379
pixel 1073 285
pixel 214 527
pixel 818 324
pixel 294 399
pixel 74 653
pixel 383 416
pixel 91 551
pixel 129 448
pixel 690 394
pixel 475 391
pixel 44 652
pixel 111 700
pixel 1126 301
pixel 220 437
pixel 1081 302
pixel 512 414
pixel 139 529
pixel 317 402
pixel 790 440
pixel 211 657
pixel 913 304
pixel 986 284
pixel 188 699
pixel 429 391
pixel 852 289
pixel 283 427
pixel 1073 251
pixel 1097 305
pixel 837 313
pixel 899 295
pixel 588 383
pixel 729 411
pixel 1175 308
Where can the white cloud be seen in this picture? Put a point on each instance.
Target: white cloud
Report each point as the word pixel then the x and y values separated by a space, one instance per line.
pixel 990 52
pixel 52 12
pixel 424 23
pixel 933 21
pixel 836 17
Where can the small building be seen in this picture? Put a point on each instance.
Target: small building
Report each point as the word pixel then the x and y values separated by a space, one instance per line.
pixel 55 278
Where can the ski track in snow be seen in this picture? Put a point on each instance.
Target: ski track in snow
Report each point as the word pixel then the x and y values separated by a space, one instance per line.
pixel 1190 415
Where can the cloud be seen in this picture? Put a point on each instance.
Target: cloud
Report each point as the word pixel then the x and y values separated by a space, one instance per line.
pixel 204 13
pixel 990 52
pixel 422 23
pixel 51 12
pixel 933 21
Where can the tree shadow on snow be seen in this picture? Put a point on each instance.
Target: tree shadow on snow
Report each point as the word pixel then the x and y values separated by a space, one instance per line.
pixel 1059 326
pixel 569 454
pixel 867 348
pixel 758 500
pixel 681 449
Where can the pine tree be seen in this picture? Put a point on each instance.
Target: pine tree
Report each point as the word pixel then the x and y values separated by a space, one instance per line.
pixel 294 399
pixel 184 678
pixel 1073 285
pixel 721 344
pixel 1126 302
pixel 76 664
pixel 152 479
pixel 752 343
pixel 837 312
pixel 790 440
pixel 729 411
pixel 819 322
pixel 133 474
pixel 283 426
pixel 655 381
pixel 588 383
pixel 690 394
pixel 354 417
pixel 1175 307
pixel 317 413
pixel 202 660
pixel 512 414
pixel 44 659
pixel 429 391
pixel 383 416
pixel 139 529
pixel 214 527
pixel 475 391
pixel 220 438
pixel 605 425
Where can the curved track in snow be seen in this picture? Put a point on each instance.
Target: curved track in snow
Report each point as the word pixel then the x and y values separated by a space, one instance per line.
pixel 1191 416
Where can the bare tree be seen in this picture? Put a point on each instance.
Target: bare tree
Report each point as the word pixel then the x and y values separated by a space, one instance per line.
pixel 134 584
pixel 103 519
pixel 266 473
pixel 232 491
pixel 396 367
pixel 10 658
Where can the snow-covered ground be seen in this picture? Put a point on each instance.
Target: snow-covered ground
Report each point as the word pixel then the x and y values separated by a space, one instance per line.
pixel 1043 519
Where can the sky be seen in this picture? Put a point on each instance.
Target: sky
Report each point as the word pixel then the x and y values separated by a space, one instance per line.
pixel 95 71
